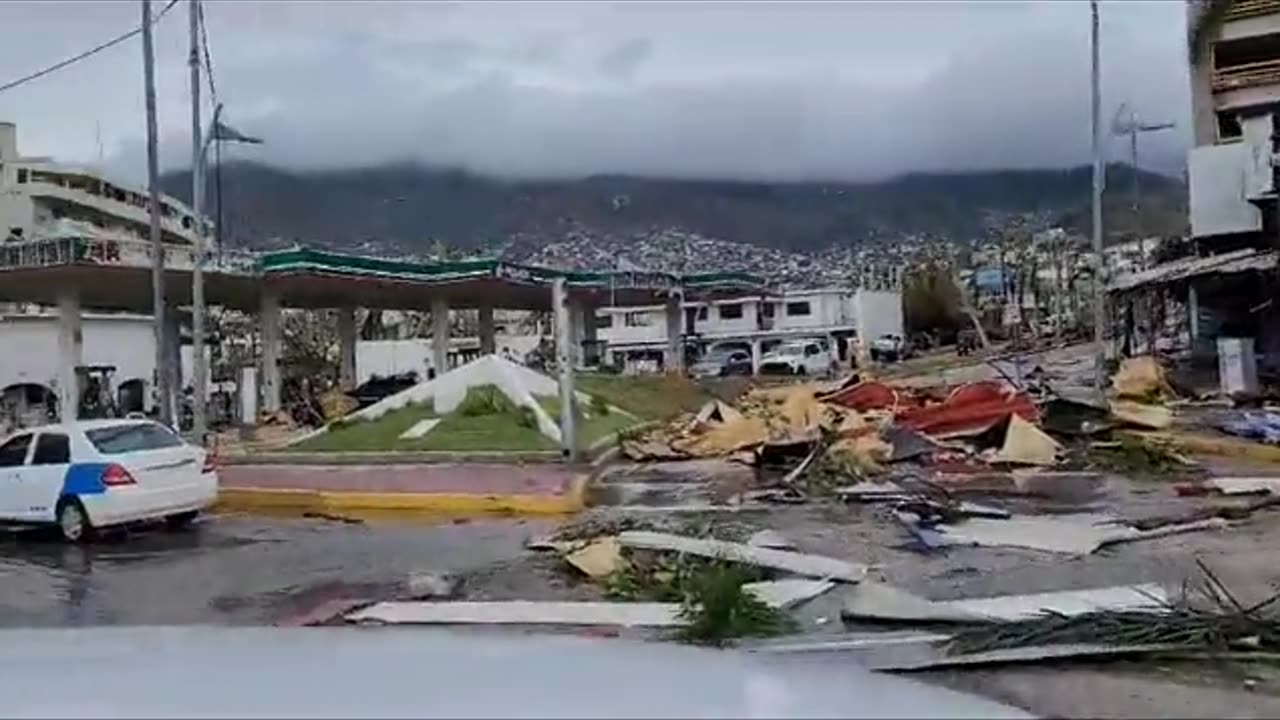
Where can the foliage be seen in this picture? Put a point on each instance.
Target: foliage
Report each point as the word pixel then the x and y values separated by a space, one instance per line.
pixel 710 592
pixel 526 417
pixel 718 608
pixel 599 406
pixel 931 302
pixel 485 400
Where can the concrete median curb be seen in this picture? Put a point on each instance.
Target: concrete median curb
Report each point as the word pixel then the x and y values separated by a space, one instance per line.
pixel 278 500
pixel 1204 444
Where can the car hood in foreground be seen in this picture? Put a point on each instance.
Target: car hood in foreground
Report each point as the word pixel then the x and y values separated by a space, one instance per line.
pixel 422 672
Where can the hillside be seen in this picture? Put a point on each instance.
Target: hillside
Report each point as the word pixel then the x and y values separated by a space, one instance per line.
pixel 407 208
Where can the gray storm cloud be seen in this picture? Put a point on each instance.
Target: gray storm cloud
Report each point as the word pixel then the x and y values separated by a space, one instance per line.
pixel 787 91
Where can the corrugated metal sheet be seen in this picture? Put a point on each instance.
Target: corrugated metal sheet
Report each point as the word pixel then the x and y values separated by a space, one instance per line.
pixel 1237 261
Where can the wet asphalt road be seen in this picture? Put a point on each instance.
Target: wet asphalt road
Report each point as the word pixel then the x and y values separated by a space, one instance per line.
pixel 236 569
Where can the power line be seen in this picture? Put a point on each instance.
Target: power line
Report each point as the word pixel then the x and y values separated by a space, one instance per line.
pixel 86 54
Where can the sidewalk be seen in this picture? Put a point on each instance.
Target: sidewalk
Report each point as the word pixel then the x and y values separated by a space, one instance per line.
pixel 462 488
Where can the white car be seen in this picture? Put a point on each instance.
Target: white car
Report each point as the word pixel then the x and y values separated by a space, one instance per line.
pixel 97 473
pixel 798 357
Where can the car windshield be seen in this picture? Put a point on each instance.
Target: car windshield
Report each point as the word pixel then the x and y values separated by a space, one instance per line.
pixel 790 348
pixel 132 437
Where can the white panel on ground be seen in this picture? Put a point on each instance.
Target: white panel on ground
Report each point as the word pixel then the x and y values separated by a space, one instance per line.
pixel 420 429
pixel 523 612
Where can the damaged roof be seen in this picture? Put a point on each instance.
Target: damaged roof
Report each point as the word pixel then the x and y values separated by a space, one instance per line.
pixel 1236 261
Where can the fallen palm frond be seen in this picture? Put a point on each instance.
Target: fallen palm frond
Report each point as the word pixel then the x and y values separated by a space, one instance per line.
pixel 1209 619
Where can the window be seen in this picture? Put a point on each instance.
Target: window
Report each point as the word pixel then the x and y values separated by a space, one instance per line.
pixel 702 313
pixel 768 309
pixel 730 312
pixel 52 449
pixel 131 437
pixel 1229 126
pixel 14 452
pixel 636 319
pixel 798 308
pixel 738 357
pixel 604 322
pixel 22 175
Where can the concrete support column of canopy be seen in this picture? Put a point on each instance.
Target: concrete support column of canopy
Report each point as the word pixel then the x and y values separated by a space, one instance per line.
pixel 564 363
pixel 272 349
pixel 756 355
pixel 173 361
pixel 674 356
pixel 488 341
pixel 440 335
pixel 347 378
pixel 70 353
pixel 579 314
pixel 590 338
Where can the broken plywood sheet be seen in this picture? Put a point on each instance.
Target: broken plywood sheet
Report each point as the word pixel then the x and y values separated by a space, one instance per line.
pixel 598 559
pixel 724 438
pixel 717 411
pixel 783 594
pixel 1143 415
pixel 816 566
pixel 521 612
pixel 1055 534
pixel 1026 444
pixel 1245 485
pixel 1140 378
pixel 878 601
pixel 1129 598
pixel 1050 534
pixel 873 601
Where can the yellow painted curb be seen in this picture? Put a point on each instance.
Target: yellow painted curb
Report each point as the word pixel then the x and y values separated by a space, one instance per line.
pixel 1212 445
pixel 316 501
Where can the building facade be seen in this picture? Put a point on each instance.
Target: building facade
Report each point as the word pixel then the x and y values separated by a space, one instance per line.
pixel 1234 55
pixel 40 198
pixel 835 314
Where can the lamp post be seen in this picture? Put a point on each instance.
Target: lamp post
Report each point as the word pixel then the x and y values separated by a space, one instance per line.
pixel 216 132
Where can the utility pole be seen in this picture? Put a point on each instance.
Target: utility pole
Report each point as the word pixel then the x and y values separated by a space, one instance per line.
pixel 1099 287
pixel 199 366
pixel 164 393
pixel 1132 127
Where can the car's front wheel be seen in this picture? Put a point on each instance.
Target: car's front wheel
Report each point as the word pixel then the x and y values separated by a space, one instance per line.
pixel 73 523
pixel 181 521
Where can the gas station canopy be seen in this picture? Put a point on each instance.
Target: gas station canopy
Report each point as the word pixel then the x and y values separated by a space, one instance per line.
pixel 116 275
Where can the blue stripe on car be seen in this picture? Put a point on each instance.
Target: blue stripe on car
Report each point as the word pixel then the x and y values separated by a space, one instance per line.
pixel 84 479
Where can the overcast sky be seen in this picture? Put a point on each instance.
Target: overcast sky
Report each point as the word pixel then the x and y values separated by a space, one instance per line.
pixel 786 90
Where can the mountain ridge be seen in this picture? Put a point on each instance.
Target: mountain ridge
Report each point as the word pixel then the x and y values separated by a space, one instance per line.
pixel 410 208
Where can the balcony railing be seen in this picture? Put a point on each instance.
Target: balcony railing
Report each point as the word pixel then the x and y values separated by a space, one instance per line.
pixel 115 253
pixel 1255 74
pixel 1240 9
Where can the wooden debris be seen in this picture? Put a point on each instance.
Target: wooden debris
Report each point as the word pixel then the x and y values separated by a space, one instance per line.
pixel 598 559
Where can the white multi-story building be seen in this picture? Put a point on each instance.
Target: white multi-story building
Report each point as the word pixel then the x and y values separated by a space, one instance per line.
pixel 832 313
pixel 43 200
pixel 40 198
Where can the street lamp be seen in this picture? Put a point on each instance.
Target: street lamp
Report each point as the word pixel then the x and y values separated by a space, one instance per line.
pixel 216 132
